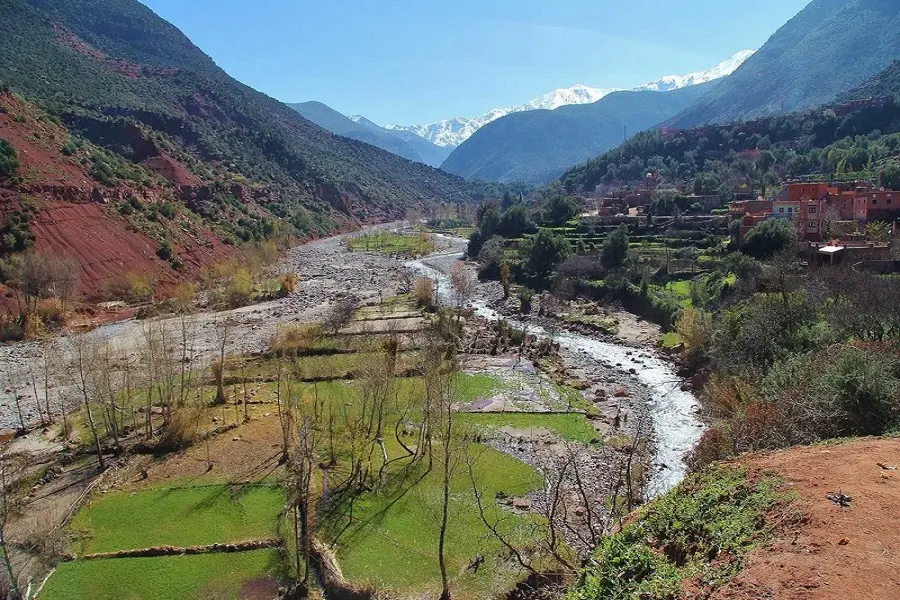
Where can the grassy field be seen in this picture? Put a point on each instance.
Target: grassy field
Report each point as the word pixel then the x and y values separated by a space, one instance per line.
pixel 393 539
pixel 200 577
pixel 571 426
pixel 472 387
pixel 392 243
pixel 178 517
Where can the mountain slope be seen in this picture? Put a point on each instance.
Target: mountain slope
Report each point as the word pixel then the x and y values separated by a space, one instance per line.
pixel 886 83
pixel 830 47
pixel 453 132
pixel 539 145
pixel 326 117
pixel 858 140
pixel 125 79
pixel 431 153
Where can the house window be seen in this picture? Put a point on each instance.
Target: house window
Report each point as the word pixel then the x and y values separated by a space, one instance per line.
pixel 812 210
pixel 812 225
pixel 874 201
pixel 781 210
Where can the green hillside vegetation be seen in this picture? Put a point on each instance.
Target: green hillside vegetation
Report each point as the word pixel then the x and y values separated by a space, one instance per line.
pixel 830 47
pixel 885 83
pixel 755 155
pixel 700 532
pixel 122 77
pixel 537 146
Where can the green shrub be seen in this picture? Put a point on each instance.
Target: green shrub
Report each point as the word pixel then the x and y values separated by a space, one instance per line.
pixel 9 161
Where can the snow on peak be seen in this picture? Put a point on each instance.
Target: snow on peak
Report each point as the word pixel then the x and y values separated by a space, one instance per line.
pixel 674 82
pixel 453 132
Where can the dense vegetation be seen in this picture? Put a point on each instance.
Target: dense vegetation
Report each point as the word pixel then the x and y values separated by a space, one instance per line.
pixel 816 56
pixel 699 534
pixel 106 67
pixel 537 146
pixel 752 156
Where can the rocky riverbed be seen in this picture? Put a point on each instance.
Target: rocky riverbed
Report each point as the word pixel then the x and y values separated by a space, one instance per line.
pixel 327 272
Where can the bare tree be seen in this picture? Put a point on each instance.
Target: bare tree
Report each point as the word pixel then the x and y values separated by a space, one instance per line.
pixel 223 327
pixel 80 372
pixel 15 592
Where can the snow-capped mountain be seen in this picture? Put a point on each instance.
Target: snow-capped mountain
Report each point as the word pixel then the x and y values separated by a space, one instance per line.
pixel 674 82
pixel 450 133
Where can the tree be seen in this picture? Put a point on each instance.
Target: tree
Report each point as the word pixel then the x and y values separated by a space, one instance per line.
pixel 223 327
pixel 890 177
pixel 505 280
pixel 769 237
pixel 7 462
pixel 463 284
pixel 515 223
pixel 80 370
pixel 706 184
pixel 488 219
pixel 878 231
pixel 559 210
pixel 543 252
pixel 615 248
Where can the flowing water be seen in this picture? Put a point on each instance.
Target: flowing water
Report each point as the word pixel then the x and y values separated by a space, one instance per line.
pixel 674 411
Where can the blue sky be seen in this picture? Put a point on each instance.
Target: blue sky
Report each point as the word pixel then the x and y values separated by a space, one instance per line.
pixel 414 61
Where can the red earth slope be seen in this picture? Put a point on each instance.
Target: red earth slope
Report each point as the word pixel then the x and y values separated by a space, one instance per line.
pixel 835 552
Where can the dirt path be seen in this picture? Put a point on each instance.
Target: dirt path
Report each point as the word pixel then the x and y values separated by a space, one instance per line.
pixel 835 553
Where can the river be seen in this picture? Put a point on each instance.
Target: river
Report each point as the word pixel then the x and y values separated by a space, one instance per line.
pixel 676 426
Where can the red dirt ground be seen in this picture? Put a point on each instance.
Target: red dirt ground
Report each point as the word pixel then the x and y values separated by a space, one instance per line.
pixel 837 553
pixel 71 218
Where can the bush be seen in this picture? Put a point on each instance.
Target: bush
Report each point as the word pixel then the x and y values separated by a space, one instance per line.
pixel 289 283
pixel 133 287
pixel 294 339
pixel 340 314
pixel 239 290
pixel 9 161
pixel 165 251
pixel 423 292
pixel 863 387
pixel 491 257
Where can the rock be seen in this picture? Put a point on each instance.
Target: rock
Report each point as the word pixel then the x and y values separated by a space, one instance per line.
pixel 844 541
pixel 580 511
pixel 622 392
pixel 522 503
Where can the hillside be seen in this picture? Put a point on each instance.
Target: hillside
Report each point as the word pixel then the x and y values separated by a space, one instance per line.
pixel 162 118
pixel 537 146
pixel 820 142
pixel 885 83
pixel 763 527
pixel 830 47
pixel 402 143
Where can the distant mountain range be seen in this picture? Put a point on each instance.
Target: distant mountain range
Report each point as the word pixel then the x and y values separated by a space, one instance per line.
pixel 453 132
pixel 537 146
pixel 402 143
pixel 830 47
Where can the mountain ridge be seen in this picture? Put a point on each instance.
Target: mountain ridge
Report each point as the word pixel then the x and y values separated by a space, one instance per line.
pixel 453 132
pixel 829 47
pixel 539 145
